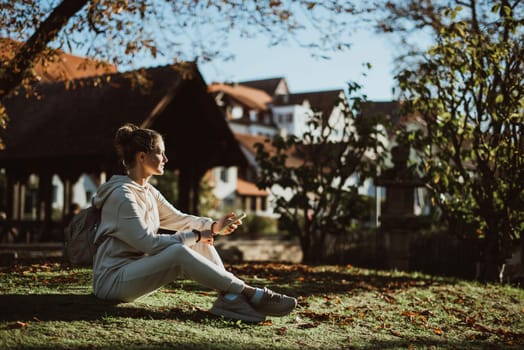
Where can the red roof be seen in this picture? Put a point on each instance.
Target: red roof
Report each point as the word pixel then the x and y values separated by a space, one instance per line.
pixel 61 67
pixel 250 97
pixel 320 101
pixel 245 188
pixel 272 86
pixel 248 142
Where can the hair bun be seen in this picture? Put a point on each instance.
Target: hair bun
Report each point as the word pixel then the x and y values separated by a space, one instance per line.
pixel 125 133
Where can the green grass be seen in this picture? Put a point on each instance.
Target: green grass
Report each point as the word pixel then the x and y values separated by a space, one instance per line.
pixel 50 305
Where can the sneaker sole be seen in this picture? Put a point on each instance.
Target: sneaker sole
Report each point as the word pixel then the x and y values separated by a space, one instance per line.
pixel 236 316
pixel 278 314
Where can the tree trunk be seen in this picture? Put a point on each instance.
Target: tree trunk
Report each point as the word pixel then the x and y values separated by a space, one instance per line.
pixel 492 258
pixel 48 30
pixel 313 249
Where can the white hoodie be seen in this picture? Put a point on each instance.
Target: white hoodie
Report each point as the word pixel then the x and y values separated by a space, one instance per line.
pixel 131 217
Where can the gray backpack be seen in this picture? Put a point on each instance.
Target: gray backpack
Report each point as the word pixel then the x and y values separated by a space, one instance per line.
pixel 80 245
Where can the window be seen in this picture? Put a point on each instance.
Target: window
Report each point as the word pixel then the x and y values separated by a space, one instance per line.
pixel 237 112
pixel 263 203
pixel 224 175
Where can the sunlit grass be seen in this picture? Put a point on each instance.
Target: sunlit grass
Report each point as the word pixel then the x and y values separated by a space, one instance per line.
pixel 50 305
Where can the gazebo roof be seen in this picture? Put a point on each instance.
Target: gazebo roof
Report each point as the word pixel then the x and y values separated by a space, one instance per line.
pixel 73 126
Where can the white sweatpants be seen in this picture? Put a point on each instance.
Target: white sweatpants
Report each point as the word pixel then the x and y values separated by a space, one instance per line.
pixel 199 262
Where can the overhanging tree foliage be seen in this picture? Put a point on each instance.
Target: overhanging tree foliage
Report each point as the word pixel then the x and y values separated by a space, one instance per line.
pixel 121 31
pixel 319 196
pixel 469 91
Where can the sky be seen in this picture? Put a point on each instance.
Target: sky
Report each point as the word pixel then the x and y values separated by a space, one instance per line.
pixel 255 60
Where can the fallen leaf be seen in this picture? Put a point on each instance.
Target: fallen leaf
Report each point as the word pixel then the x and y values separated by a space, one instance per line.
pixel 438 331
pixel 409 314
pixel 389 298
pixel 470 321
pixel 426 313
pixel 482 328
pixel 18 325
pixel 396 333
pixel 308 325
pixel 282 331
pixel 384 326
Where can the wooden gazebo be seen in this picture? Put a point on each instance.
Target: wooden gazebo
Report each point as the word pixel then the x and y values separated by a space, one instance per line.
pixel 68 130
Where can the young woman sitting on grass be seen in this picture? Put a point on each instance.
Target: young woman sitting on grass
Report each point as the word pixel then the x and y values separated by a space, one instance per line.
pixel 136 259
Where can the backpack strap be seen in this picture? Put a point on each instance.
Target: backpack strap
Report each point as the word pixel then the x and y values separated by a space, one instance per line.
pixel 100 239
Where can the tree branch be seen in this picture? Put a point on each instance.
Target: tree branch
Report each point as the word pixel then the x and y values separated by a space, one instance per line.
pixel 17 68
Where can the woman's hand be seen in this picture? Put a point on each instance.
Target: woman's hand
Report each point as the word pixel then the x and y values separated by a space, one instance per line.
pixel 223 222
pixel 206 237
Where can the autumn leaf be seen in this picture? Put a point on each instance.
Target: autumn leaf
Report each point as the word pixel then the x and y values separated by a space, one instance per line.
pixel 308 325
pixel 438 331
pixel 282 331
pixel 390 299
pixel 470 321
pixel 320 317
pixel 396 333
pixel 409 314
pixel 482 328
pixel 18 325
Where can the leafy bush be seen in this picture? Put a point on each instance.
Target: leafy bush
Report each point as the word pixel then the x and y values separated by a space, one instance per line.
pixel 254 224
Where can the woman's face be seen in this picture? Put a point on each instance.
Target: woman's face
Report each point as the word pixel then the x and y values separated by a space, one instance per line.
pixel 154 161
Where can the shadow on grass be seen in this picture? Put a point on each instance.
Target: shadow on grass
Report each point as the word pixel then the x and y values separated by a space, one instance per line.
pixel 428 343
pixel 73 307
pixel 297 279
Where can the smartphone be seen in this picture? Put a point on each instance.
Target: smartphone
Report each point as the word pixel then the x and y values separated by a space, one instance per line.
pixel 231 221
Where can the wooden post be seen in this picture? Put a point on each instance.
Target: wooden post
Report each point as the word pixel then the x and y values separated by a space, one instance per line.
pixel 45 197
pixel 11 193
pixel 21 200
